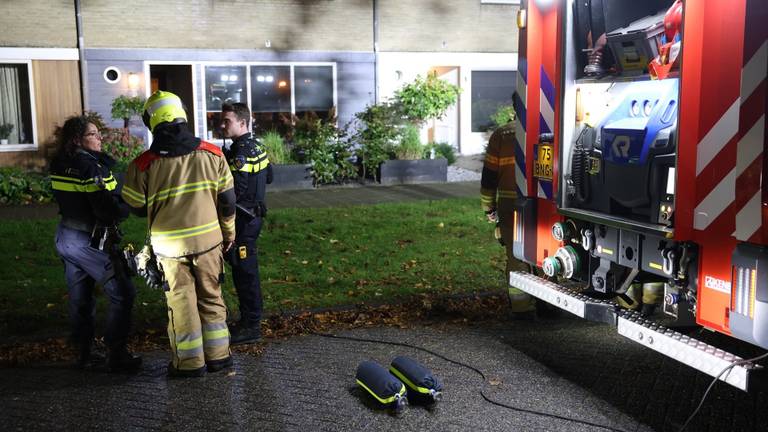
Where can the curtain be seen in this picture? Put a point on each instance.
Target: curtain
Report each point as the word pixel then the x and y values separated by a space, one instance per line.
pixel 10 100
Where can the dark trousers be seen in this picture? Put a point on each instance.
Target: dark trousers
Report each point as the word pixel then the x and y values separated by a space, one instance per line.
pixel 84 267
pixel 245 269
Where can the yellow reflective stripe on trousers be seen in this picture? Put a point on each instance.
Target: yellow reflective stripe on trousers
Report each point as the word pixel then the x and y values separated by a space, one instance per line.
pixel 186 232
pixel 182 189
pixel 408 382
pixel 384 401
pixel 215 334
pixel 133 196
pixel 189 345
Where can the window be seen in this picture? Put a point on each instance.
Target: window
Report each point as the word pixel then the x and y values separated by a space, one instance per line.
pixel 490 90
pixel 224 84
pixel 274 92
pixel 16 106
pixel 270 97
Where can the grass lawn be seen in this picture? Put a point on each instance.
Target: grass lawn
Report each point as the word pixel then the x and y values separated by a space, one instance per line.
pixel 308 258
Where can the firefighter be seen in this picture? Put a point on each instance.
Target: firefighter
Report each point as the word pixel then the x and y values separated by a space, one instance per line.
pixel 252 172
pixel 87 239
pixel 497 195
pixel 184 187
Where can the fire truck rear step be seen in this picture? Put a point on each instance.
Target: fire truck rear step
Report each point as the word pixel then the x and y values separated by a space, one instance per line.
pixel 692 352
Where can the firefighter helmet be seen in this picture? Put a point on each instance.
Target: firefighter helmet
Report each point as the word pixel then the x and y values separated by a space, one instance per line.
pixel 162 107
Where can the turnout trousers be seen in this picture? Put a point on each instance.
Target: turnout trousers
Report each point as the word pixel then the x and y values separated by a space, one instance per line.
pixel 520 301
pixel 245 269
pixel 197 327
pixel 84 267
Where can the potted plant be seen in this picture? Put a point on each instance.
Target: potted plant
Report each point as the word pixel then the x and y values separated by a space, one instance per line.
pixel 287 173
pixel 5 132
pixel 410 165
pixel 125 107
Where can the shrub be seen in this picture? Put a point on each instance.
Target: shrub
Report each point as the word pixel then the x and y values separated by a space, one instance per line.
pixel 124 107
pixel 504 114
pixel 20 187
pixel 442 150
pixel 426 99
pixel 121 145
pixel 378 132
pixel 275 147
pixel 324 146
pixel 409 147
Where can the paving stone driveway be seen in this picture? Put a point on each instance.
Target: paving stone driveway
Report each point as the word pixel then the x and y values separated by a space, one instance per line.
pixel 565 367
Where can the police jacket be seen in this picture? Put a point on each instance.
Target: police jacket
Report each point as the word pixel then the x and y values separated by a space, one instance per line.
pixel 85 190
pixel 184 187
pixel 497 183
pixel 251 171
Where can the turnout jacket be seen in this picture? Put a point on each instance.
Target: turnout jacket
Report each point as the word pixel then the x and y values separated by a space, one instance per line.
pixel 85 189
pixel 497 182
pixel 251 171
pixel 184 187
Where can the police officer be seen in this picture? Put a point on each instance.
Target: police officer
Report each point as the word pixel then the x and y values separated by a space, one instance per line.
pixel 252 172
pixel 497 195
pixel 86 240
pixel 184 187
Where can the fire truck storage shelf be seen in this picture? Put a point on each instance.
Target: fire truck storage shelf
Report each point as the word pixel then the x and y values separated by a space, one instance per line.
pixel 692 352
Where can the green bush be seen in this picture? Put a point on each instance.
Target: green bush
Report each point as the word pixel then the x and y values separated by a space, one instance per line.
pixel 20 187
pixel 274 145
pixel 124 107
pixel 504 114
pixel 378 131
pixel 410 146
pixel 426 99
pixel 325 147
pixel 121 145
pixel 442 150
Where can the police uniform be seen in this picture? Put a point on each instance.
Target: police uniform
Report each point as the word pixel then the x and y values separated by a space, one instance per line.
pixel 184 187
pixel 497 194
pixel 252 172
pixel 84 188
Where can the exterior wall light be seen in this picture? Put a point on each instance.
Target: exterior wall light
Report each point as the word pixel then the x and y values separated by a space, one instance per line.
pixel 522 18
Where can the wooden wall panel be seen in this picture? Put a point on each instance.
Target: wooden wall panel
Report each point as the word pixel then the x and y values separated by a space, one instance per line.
pixel 57 96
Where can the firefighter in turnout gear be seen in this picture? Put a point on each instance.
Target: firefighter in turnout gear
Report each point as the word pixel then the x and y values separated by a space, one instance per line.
pixel 252 172
pixel 87 241
pixel 184 187
pixel 497 195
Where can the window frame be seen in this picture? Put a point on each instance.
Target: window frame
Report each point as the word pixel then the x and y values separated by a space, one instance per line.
pixel 481 69
pixel 34 145
pixel 248 65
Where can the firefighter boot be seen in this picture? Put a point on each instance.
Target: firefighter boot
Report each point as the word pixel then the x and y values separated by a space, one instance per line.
pixel 119 359
pixel 87 358
pixel 218 365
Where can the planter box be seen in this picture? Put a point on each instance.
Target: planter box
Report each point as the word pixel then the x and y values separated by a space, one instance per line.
pixel 287 177
pixel 414 171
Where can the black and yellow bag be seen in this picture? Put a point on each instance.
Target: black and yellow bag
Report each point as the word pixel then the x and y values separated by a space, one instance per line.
pixel 423 387
pixel 387 390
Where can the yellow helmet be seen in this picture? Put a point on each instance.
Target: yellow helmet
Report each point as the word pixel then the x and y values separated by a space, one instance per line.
pixel 162 107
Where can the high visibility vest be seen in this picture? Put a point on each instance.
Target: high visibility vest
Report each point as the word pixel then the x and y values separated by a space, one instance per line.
pixel 181 196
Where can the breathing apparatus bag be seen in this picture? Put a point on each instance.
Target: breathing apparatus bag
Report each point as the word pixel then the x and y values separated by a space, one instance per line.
pixel 423 387
pixel 387 390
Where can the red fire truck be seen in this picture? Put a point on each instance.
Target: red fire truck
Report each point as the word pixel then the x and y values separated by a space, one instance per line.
pixel 640 159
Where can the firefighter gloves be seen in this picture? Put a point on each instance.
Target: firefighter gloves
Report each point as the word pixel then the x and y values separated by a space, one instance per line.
pixel 406 381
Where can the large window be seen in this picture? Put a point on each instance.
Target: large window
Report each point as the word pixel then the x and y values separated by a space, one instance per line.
pixel 16 105
pixel 224 84
pixel 490 90
pixel 274 93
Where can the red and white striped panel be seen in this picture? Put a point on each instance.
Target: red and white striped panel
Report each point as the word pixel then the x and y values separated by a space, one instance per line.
pixel 732 200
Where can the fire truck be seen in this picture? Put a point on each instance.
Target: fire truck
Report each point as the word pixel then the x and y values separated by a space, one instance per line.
pixel 640 159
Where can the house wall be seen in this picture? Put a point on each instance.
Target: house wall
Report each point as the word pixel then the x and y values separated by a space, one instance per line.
pixel 38 23
pixel 315 25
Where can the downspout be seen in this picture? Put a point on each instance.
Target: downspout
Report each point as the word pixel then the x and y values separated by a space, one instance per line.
pixel 375 51
pixel 81 53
